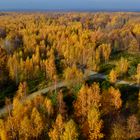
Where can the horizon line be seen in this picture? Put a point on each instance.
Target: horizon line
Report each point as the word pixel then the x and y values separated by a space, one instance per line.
pixel 69 10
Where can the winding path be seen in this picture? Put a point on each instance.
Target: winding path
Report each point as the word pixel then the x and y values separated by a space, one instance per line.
pixel 90 74
pixel 93 74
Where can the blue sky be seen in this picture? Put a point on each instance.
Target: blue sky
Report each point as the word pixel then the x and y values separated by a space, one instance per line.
pixel 70 4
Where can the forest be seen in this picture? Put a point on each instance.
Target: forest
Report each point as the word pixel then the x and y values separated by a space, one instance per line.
pixel 44 49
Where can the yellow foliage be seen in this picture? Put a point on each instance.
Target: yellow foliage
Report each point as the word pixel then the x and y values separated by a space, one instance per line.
pixel 112 76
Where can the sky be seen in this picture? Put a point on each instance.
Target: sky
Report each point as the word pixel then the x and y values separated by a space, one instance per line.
pixel 70 4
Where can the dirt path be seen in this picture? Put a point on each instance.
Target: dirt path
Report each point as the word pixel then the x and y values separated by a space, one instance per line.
pixel 90 74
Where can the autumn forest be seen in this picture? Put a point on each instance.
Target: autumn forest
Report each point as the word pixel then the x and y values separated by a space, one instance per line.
pixel 69 76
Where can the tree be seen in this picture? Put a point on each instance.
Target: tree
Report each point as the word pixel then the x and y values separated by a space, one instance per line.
pixel 36 56
pixel 138 74
pixel 133 127
pixel 36 123
pixel 111 100
pixel 28 64
pixel 87 98
pixel 138 105
pixel 106 51
pixel 122 66
pixel 3 70
pixel 95 124
pixel 56 132
pixel 61 104
pixel 112 76
pixel 51 67
pixel 22 90
pixel 134 45
pixel 25 128
pixel 136 31
pixel 118 132
pixel 48 106
pixel 17 102
pixel 70 131
pixel 73 75
pixel 3 133
pixel 14 69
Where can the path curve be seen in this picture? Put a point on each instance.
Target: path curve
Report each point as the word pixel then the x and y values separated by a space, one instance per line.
pixel 90 74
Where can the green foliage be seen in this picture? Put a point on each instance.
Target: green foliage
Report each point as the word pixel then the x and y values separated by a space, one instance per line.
pixel 54 98
pixel 105 85
pixel 76 89
pixel 132 71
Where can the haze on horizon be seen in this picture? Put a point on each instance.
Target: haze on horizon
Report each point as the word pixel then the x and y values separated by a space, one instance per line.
pixel 70 4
